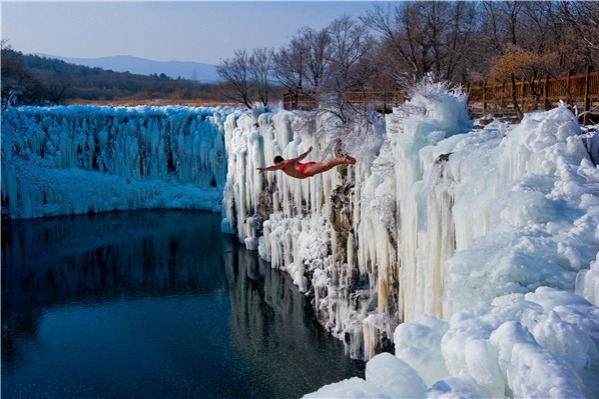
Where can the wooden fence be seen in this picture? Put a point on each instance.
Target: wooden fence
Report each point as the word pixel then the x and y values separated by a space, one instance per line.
pixel 580 91
pixel 381 101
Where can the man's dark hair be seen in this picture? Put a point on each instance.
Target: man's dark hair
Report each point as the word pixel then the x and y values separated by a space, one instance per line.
pixel 279 159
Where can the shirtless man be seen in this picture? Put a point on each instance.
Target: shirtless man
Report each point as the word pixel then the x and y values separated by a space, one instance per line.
pixel 294 168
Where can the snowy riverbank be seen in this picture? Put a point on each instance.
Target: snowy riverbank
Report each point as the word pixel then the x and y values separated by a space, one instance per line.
pixel 482 242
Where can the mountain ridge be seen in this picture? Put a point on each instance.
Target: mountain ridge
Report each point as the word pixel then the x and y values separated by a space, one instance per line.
pixel 205 73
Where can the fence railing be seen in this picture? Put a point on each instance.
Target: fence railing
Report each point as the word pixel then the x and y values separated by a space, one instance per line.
pixel 580 91
pixel 381 101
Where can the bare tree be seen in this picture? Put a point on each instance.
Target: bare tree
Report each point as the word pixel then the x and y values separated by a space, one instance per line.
pixel 461 42
pixel 18 83
pixel 260 65
pixel 54 87
pixel 582 17
pixel 426 36
pixel 504 22
pixel 303 66
pixel 288 66
pixel 390 23
pixel 458 42
pixel 351 63
pixel 236 72
pixel 317 47
pixel 531 40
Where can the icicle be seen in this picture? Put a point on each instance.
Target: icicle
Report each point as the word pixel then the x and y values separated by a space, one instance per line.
pixel 80 159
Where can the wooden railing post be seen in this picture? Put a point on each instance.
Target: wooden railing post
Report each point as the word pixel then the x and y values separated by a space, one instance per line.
pixel 587 100
pixel 570 96
pixel 524 95
pixel 484 97
pixel 503 97
pixel 546 90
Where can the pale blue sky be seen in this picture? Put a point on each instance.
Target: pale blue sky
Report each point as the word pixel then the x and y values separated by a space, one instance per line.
pixel 200 31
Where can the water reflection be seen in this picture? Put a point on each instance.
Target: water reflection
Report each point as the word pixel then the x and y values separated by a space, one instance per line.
pixel 269 315
pixel 230 325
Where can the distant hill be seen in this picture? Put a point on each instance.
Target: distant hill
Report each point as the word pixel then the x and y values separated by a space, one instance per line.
pixel 33 79
pixel 205 73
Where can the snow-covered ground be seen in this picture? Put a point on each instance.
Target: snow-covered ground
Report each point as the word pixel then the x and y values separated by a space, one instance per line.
pixel 473 251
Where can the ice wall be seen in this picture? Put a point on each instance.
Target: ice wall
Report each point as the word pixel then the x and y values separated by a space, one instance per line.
pixel 78 159
pixel 308 227
pixel 472 239
pixel 346 235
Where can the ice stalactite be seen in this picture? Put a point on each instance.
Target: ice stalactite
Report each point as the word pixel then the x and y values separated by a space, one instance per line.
pixel 424 193
pixel 78 159
pixel 306 227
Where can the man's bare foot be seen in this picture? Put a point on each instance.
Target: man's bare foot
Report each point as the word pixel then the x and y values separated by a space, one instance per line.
pixel 349 160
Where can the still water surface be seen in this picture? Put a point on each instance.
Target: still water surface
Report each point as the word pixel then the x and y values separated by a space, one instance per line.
pixel 153 304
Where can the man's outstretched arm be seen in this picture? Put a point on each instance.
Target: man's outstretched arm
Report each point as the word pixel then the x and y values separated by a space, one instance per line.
pixel 304 155
pixel 271 168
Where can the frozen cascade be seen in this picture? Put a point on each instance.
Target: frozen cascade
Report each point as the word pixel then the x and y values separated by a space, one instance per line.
pixel 464 247
pixel 78 159
pixel 343 235
pixel 307 227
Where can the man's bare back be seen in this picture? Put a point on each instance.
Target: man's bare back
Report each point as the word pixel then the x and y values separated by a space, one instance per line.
pixel 295 168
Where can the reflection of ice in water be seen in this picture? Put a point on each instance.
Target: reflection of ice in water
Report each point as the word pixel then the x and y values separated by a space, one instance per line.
pixel 140 303
pixel 267 307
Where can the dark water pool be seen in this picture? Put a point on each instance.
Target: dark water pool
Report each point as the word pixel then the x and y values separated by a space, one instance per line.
pixel 153 304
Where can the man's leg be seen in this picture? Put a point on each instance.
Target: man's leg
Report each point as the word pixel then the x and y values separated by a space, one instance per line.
pixel 320 167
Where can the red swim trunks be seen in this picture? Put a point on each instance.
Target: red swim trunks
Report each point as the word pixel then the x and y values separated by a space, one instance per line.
pixel 303 166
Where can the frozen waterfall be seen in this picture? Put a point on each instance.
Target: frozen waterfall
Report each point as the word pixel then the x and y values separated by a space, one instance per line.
pixel 369 240
pixel 78 159
pixel 461 246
